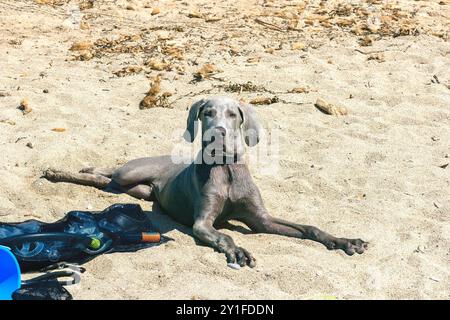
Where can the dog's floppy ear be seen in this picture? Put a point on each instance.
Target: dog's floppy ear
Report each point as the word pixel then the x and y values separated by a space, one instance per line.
pixel 192 123
pixel 250 124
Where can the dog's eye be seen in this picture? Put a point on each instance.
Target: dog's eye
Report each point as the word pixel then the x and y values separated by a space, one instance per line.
pixel 232 115
pixel 208 113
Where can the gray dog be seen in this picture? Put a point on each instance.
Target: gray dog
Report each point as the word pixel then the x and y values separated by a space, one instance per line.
pixel 206 194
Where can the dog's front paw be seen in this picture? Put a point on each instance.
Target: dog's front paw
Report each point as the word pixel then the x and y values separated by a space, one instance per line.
pixel 240 256
pixel 349 246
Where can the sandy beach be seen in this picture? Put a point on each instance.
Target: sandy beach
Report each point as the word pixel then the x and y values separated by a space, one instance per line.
pixel 380 173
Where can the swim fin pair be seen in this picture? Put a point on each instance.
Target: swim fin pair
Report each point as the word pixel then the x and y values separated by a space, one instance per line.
pixel 79 236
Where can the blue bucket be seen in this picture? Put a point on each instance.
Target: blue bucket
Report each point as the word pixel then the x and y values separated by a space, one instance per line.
pixel 9 274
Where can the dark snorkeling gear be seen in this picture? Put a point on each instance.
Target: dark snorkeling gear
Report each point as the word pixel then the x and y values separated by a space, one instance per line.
pixel 79 236
pixel 50 286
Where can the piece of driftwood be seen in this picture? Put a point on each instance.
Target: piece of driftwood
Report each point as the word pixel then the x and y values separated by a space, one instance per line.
pixel 329 108
pixel 264 100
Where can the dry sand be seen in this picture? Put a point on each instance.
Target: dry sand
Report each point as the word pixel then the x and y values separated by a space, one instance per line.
pixel 375 173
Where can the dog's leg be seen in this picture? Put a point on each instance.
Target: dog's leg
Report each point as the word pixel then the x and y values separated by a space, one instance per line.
pixel 205 232
pixel 133 178
pixel 106 172
pixel 264 223
pixel 254 214
pixel 139 191
pixel 85 179
pixel 203 228
pixel 269 224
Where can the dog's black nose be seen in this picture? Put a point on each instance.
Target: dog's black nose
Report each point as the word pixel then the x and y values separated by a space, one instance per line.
pixel 222 131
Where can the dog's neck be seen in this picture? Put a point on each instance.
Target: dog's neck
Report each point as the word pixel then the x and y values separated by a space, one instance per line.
pixel 226 173
pixel 203 158
pixel 226 164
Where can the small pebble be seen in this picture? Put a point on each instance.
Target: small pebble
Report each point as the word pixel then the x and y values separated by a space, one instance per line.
pixel 45 90
pixel 25 106
pixel 234 266
pixel 29 145
pixel 420 249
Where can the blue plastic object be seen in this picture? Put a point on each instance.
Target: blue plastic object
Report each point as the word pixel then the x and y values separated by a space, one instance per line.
pixel 10 279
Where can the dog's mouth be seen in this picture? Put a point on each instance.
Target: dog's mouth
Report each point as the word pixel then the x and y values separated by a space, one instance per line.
pixel 217 151
pixel 221 157
pixel 221 152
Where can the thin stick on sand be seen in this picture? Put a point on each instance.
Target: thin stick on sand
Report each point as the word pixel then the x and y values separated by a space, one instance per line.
pixel 268 25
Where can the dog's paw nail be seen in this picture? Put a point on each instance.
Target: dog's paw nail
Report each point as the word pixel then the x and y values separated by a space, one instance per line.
pixel 234 266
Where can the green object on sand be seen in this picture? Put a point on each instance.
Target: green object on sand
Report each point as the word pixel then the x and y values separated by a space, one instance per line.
pixel 95 244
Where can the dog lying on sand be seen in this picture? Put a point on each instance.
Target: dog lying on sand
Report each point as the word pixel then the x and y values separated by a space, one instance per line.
pixel 206 194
